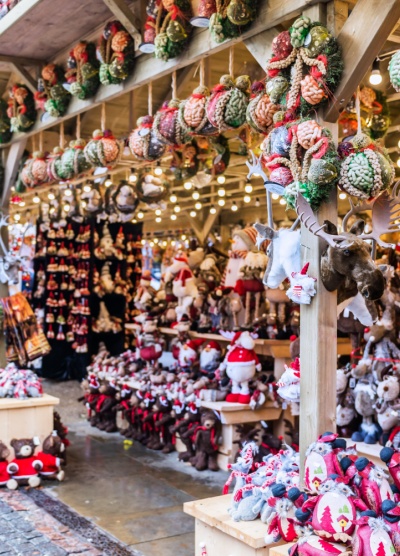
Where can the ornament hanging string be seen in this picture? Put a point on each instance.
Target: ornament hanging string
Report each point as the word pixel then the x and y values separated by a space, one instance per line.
pixel 78 126
pixel 62 139
pixel 150 98
pixel 41 141
pixel 231 62
pixel 358 110
pixel 33 144
pixel 103 116
pixel 202 73
pixel 174 91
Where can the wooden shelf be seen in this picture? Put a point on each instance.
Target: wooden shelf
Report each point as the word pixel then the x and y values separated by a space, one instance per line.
pixel 370 451
pixel 237 413
pixel 14 403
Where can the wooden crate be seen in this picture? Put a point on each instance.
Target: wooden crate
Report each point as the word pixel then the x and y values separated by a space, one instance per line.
pixel 220 534
pixel 26 418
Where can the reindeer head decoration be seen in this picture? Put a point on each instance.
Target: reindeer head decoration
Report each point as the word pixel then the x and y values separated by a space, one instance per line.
pixel 346 264
pixel 10 262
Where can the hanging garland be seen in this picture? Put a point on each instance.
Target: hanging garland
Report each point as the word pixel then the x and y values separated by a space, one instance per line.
pixel 305 68
pixel 116 52
pixel 5 123
pixel 227 105
pixel 51 96
pixel 21 108
pixel 231 18
pixel 172 28
pixel 82 74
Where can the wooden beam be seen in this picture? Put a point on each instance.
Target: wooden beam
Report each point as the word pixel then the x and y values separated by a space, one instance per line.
pixel 10 172
pixel 17 13
pixel 361 38
pixel 394 38
pixel 393 98
pixel 122 12
pixel 271 14
pixel 22 61
pixel 259 46
pixel 336 16
pixel 25 77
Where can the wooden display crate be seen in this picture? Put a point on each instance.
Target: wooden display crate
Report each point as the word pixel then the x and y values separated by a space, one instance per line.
pixel 221 535
pixel 26 418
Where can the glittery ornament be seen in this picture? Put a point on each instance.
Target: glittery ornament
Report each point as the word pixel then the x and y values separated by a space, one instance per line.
pixel 143 142
pixel 227 105
pixel 239 12
pixel 276 87
pixel 202 13
pixel 316 40
pixel 279 141
pixel 367 97
pixel 34 172
pixel 152 189
pixel 281 45
pixel 299 31
pixel 5 123
pixel 52 97
pixel 125 198
pixel 73 160
pixel 322 172
pixel 104 149
pixel 167 127
pixel 394 71
pixel 281 175
pixel 172 29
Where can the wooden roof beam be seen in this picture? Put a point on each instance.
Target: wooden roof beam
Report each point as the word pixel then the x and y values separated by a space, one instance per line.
pixel 17 13
pixel 361 38
pixel 122 12
pixel 24 76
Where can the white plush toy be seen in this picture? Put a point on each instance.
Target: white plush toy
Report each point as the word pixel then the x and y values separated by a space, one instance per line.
pixel 302 286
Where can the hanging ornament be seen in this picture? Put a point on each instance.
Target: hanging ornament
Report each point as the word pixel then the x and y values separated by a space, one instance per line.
pixel 152 189
pixel 172 28
pixel 93 199
pixel 73 160
pixel 153 8
pixel 220 156
pixel 34 172
pixel 116 52
pixel 203 11
pixel 308 62
pixel 82 73
pixel 5 123
pixel 143 142
pixel 51 96
pixel 231 18
pixel 227 105
pixel 167 127
pixel 366 168
pixel 260 110
pixel 104 149
pixel 125 198
pixel 394 71
pixel 21 108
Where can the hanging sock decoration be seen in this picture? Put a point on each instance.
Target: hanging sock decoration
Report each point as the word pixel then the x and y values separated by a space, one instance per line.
pixel 116 52
pixel 261 110
pixel 104 149
pixel 172 28
pixel 394 71
pixel 21 108
pixel 231 18
pixel 143 142
pixel 51 96
pixel 166 125
pixel 82 73
pixel 5 123
pixel 305 68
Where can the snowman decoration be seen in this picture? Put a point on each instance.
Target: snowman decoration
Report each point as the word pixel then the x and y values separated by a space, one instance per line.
pixel 240 364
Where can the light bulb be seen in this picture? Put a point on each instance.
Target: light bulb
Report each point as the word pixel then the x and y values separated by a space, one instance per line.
pixel 140 215
pixel 173 198
pixel 398 144
pixel 221 192
pixel 173 216
pixel 108 181
pixel 52 210
pixel 257 202
pixel 188 185
pixel 134 221
pixel 398 162
pixel 342 195
pixel 164 243
pixel 198 206
pixel 143 242
pixel 195 195
pixel 66 207
pixel 87 188
pixel 173 243
pixel 375 77
pixel 221 179
pixel 84 203
pixel 51 196
pixel 158 219
pixel 21 203
pixel 193 213
pixel 282 201
pixel 234 207
pixel 213 210
pixel 221 202
pixel 247 198
pixel 156 240
pixel 17 216
pixel 158 212
pixel 133 177
pixel 275 196
pixel 36 199
pixel 158 170
pixel 183 237
pixel 177 208
pixel 68 193
pixel 248 188
pixel 151 243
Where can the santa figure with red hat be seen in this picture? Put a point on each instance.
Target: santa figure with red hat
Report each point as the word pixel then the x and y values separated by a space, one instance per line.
pixel 240 363
pixel 188 356
pixel 210 358
pixel 289 385
pixel 302 286
pixel 144 293
pixel 183 280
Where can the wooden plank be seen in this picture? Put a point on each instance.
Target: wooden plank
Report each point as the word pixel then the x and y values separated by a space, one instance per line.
pixel 282 550
pixel 24 76
pixel 361 38
pixel 271 13
pixel 11 169
pixel 128 19
pixel 22 60
pixel 336 15
pixel 17 13
pixel 259 46
pixel 14 403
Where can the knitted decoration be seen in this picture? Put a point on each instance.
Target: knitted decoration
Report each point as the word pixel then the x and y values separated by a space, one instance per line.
pixel 260 110
pixel 231 18
pixel 203 12
pixel 153 8
pixel 366 168
pixel 21 108
pixel 394 71
pixel 104 149
pixel 34 171
pixel 82 74
pixel 54 164
pixel 116 52
pixel 172 28
pixel 193 115
pixel 52 97
pixel 227 105
pixel 152 189
pixel 143 142
pixel 5 123
pixel 166 126
pixel 73 160
pixel 309 67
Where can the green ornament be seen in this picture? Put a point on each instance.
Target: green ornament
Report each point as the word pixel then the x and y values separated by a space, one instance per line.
pixel 239 12
pixel 387 169
pixel 276 87
pixel 394 71
pixel 89 71
pixel 322 172
pixel 161 47
pixel 104 74
pixel 175 31
pixel 316 40
pixel 118 71
pixel 299 31
pixel 73 161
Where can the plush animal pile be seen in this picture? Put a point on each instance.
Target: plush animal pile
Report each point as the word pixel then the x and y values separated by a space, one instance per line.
pixel 19 383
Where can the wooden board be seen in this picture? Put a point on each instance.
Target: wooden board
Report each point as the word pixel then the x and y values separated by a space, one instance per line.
pixel 237 413
pixel 370 451
pixel 282 550
pixel 26 418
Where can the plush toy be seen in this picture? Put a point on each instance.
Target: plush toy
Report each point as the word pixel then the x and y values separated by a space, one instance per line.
pixel 4 455
pixel 52 449
pixel 226 107
pixel 185 427
pixel 103 149
pixel 24 468
pixel 21 108
pixel 184 283
pixel 125 198
pixel 52 97
pixel 5 123
pixel 364 398
pixel 391 516
pixel 105 407
pixel 188 357
pixel 391 456
pixel 206 440
pixel 116 52
pixel 82 73
pixel 143 142
pixel 210 358
pixel 322 461
pixel 313 545
pixel 250 286
pixel 388 404
pixel 240 363
pixel 163 420
pixel 372 484
pixel 302 287
pixel 282 520
pixel 372 537
pixel 288 386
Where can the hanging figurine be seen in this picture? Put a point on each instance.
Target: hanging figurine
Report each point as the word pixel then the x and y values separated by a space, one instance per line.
pixel 125 198
pixel 21 108
pixel 82 75
pixel 152 189
pixel 51 96
pixel 116 52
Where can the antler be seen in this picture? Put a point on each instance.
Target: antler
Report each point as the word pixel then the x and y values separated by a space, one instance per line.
pixel 3 222
pixel 355 209
pixel 255 167
pixel 307 217
pixel 385 212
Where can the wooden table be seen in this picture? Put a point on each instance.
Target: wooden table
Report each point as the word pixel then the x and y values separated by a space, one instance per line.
pixel 221 535
pixel 26 418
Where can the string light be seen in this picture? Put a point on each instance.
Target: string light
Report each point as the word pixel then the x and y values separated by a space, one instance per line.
pixel 188 185
pixel 173 216
pixel 151 243
pixel 67 207
pixel 247 198
pixel 221 202
pixel 140 215
pixel 51 196
pixel 282 201
pixel 234 206
pixel 398 144
pixel 275 196
pixel 221 192
pixel 173 198
pixel 375 77
pixel 133 177
pixel 143 242
pixel 155 240
pixel 83 203
pixel 158 219
pixel 248 188
pixel 257 202
pixel 196 195
pixel 213 210
pixel 177 208
pixel 17 217
pixel 108 181
pixel 183 237
pixel 53 210
pixel 68 192
pixel 164 243
pixel 21 203
pixel 36 198
pixel 158 212
pixel 342 195
pixel 398 162
pixel 87 188
pixel 134 221
pixel 221 179
pixel 193 213
pixel 198 206
pixel 158 170
pixel 173 243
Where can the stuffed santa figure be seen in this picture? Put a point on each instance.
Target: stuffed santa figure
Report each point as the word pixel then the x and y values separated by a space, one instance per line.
pixel 145 293
pixel 210 358
pixel 188 355
pixel 289 385
pixel 183 281
pixel 240 363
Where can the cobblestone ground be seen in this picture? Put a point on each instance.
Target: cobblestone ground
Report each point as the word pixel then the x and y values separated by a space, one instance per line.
pixel 26 529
